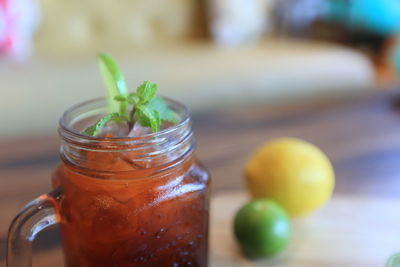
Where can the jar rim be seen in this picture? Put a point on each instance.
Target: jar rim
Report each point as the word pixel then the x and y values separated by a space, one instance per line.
pixel 151 151
pixel 66 132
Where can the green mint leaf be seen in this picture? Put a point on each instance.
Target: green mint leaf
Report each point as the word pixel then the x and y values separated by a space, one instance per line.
pixel 166 114
pixel 96 128
pixel 146 91
pixel 90 130
pixel 114 81
pixel 148 117
pixel 133 99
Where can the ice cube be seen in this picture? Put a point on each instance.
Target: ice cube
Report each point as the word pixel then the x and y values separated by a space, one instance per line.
pixel 115 129
pixel 139 130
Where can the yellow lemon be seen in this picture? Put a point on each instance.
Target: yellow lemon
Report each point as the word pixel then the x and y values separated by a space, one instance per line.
pixel 294 173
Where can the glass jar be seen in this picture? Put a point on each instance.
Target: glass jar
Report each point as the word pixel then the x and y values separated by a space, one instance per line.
pixel 137 201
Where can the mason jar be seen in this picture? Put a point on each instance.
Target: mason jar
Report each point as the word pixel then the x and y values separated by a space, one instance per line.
pixel 121 201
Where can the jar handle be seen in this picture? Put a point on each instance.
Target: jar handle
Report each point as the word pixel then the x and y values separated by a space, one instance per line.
pixel 33 218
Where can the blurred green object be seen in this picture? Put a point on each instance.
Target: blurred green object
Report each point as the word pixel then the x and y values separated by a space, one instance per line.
pixel 379 16
pixel 262 228
pixel 394 261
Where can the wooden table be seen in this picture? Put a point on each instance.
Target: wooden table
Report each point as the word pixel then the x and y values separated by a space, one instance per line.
pixel 360 135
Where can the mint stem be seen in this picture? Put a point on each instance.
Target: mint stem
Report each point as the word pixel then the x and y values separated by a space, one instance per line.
pixel 132 119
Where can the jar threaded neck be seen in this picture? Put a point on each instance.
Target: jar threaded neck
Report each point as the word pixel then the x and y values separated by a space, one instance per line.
pixel 123 153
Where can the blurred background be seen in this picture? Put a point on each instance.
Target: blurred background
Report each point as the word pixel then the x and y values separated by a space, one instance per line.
pixel 208 54
pixel 218 57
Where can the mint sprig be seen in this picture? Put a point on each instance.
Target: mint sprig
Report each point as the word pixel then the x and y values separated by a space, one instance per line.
pixel 147 109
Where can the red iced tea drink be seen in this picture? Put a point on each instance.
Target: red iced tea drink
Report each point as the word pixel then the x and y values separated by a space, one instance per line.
pixel 133 201
pixel 129 190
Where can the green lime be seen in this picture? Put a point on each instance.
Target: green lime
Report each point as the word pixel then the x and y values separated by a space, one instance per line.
pixel 262 228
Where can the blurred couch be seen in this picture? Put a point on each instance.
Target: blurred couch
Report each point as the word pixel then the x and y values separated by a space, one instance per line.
pixel 193 70
pixel 77 26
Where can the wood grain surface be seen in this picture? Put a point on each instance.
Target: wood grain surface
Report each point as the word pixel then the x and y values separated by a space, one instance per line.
pixel 360 135
pixel 350 231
